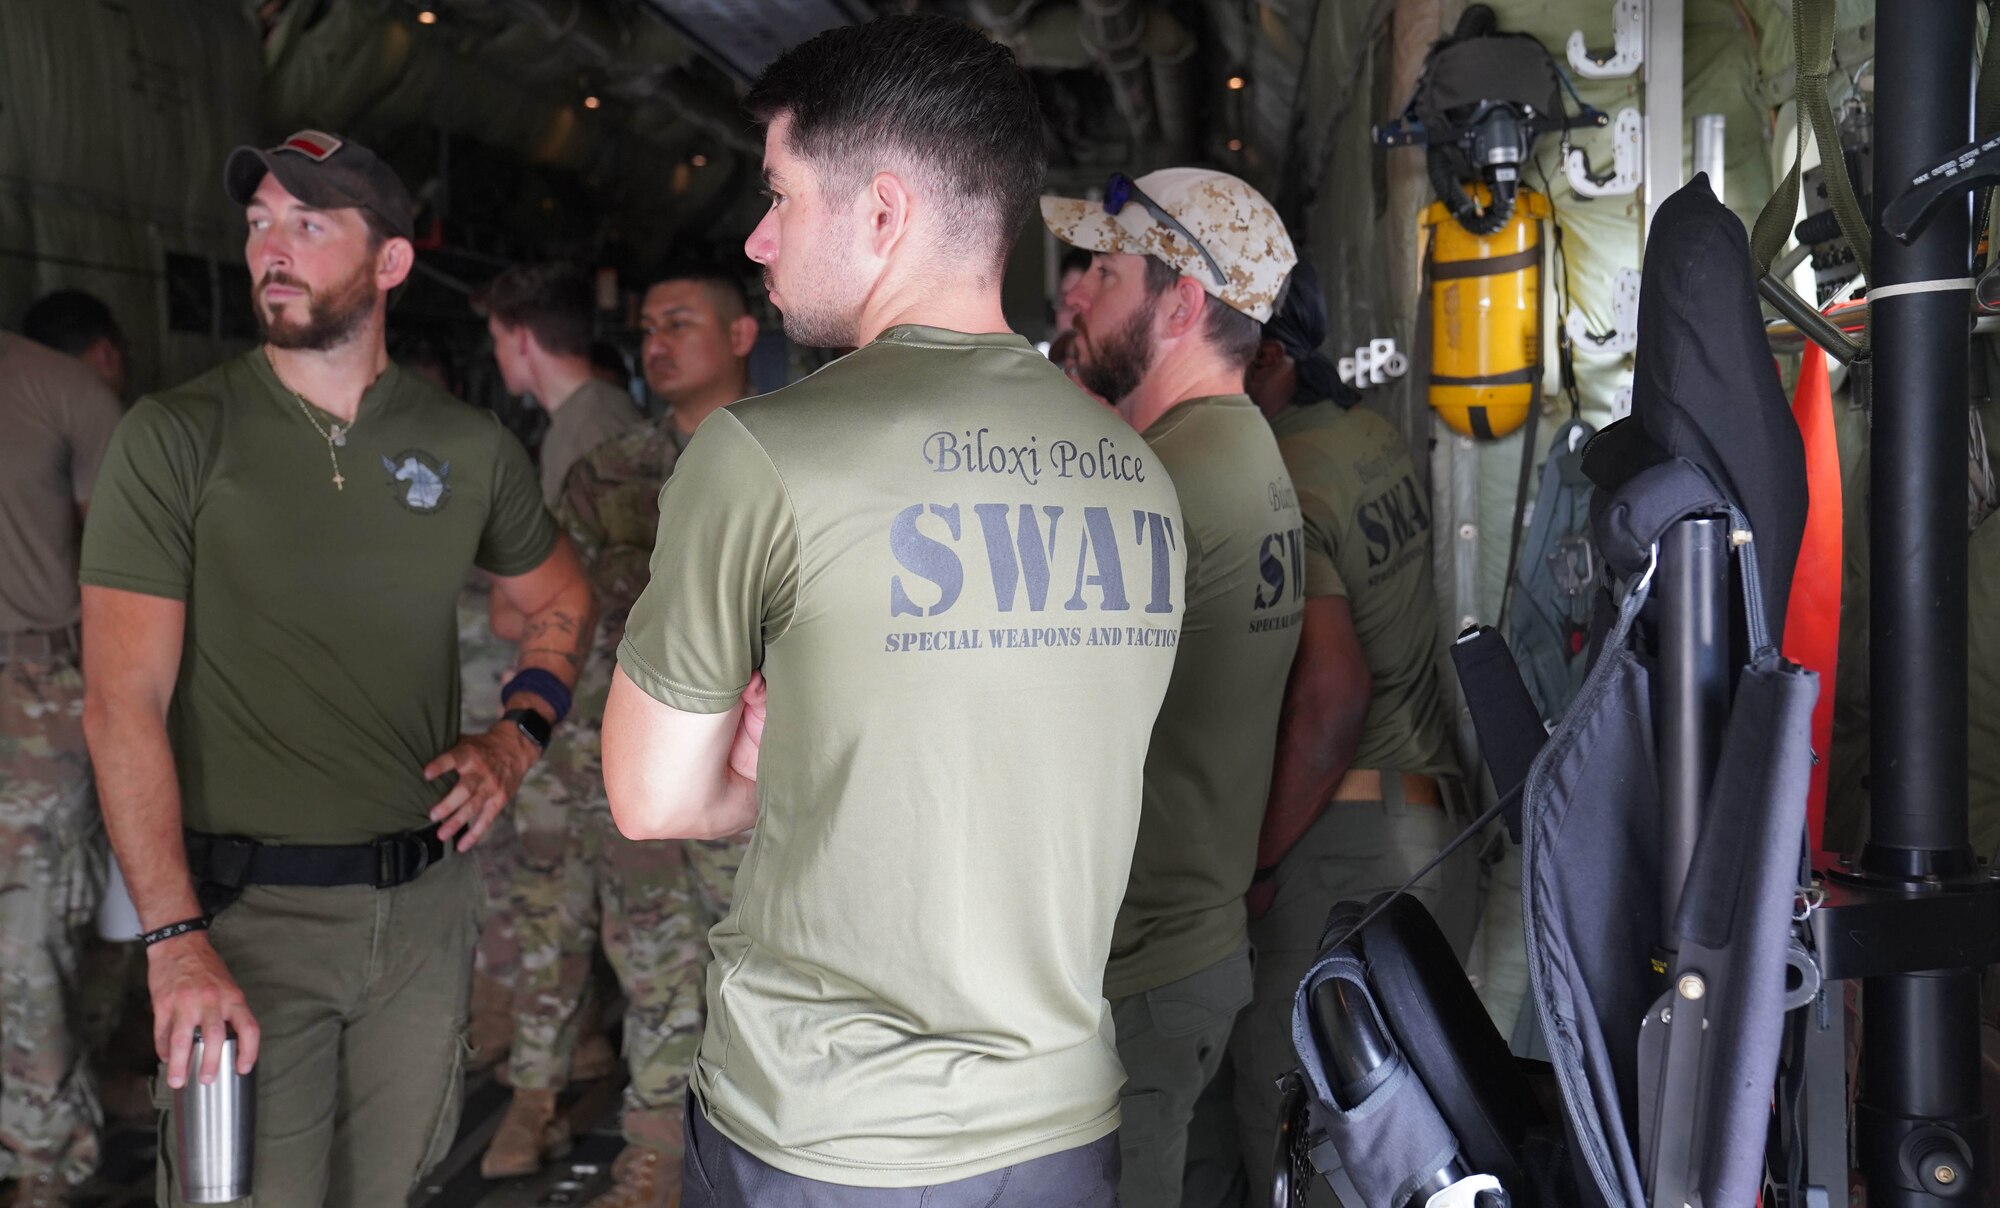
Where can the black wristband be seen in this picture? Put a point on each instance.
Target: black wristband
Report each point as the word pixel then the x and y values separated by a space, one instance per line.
pixel 543 684
pixel 173 929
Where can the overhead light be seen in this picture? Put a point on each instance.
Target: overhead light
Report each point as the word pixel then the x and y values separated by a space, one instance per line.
pixel 1235 83
pixel 427 17
pixel 1235 144
pixel 699 161
pixel 591 102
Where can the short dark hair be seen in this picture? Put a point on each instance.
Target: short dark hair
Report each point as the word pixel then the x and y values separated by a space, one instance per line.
pixel 1230 332
pixel 723 281
pixel 928 90
pixel 70 321
pixel 553 301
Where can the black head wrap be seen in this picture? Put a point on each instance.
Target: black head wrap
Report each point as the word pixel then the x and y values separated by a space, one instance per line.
pixel 1299 327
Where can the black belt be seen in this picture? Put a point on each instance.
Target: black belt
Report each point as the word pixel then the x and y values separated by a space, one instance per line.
pixel 230 863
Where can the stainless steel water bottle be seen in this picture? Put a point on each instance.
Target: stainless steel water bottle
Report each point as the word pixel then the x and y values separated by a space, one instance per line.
pixel 215 1128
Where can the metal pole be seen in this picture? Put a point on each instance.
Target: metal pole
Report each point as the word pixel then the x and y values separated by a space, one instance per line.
pixel 1921 1040
pixel 1711 152
pixel 1917 601
pixel 1663 65
pixel 1693 595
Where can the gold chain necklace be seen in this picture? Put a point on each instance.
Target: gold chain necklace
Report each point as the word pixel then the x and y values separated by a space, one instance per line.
pixel 334 437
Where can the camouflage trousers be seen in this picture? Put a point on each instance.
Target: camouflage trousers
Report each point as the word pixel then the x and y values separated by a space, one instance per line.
pixel 651 904
pixel 497 956
pixel 484 663
pixel 52 870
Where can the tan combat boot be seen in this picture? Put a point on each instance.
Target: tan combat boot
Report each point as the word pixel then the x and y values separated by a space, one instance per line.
pixel 42 1191
pixel 491 1031
pixel 646 1178
pixel 533 1132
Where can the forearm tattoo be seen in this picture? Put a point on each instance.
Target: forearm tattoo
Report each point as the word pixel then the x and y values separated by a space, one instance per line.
pixel 559 633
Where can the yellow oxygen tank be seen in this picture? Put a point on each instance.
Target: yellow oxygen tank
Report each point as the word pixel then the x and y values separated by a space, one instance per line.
pixel 1486 316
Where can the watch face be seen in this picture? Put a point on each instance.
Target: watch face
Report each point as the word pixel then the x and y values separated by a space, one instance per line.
pixel 533 724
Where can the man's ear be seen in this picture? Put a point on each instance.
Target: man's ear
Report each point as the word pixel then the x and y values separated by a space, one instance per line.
pixel 519 340
pixel 1186 304
pixel 742 335
pixel 886 212
pixel 1267 356
pixel 393 262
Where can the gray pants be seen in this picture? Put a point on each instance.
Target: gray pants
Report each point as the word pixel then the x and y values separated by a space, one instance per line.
pixel 361 995
pixel 1172 1039
pixel 719 1173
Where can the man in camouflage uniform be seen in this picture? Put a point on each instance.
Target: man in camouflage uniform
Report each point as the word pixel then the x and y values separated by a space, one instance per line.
pixel 652 902
pixel 55 420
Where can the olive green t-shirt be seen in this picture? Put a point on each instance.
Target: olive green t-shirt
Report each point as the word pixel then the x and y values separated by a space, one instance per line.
pixel 962 579
pixel 1208 771
pixel 319 671
pixel 1368 527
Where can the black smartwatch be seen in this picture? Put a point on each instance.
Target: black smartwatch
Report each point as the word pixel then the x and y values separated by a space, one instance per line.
pixel 531 723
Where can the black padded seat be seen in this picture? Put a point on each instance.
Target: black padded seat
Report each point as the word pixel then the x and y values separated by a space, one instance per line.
pixel 1446 1035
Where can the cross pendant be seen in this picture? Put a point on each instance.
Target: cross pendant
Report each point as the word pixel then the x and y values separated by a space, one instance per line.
pixel 339 483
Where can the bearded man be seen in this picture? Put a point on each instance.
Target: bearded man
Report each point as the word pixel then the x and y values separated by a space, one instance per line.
pixel 1187 264
pixel 272 686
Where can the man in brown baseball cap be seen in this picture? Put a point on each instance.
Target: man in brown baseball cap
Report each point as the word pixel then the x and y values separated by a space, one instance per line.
pixel 292 842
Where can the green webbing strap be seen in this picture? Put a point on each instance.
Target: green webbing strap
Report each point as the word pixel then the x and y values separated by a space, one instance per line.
pixel 1812 42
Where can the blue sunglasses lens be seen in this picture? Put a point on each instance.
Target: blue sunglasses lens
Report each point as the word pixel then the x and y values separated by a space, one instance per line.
pixel 1116 194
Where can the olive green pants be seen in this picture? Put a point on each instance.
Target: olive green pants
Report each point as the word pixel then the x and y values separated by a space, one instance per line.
pixel 1171 1039
pixel 361 995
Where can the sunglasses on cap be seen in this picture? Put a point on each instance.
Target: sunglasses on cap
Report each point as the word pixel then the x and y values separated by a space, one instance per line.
pixel 1121 191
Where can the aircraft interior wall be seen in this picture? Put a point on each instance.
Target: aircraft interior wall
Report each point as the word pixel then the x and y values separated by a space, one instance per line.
pixel 110 115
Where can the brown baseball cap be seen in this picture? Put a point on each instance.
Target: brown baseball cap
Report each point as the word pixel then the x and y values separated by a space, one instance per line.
pixel 326 171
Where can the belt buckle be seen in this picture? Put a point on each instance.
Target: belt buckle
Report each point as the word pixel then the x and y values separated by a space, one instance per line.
pixel 398 860
pixel 226 860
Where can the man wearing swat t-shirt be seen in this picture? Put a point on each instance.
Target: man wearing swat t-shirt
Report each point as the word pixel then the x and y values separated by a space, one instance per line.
pixel 913 618
pixel 1189 263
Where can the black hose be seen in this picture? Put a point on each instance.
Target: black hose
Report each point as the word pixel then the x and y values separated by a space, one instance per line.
pixel 1463 205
